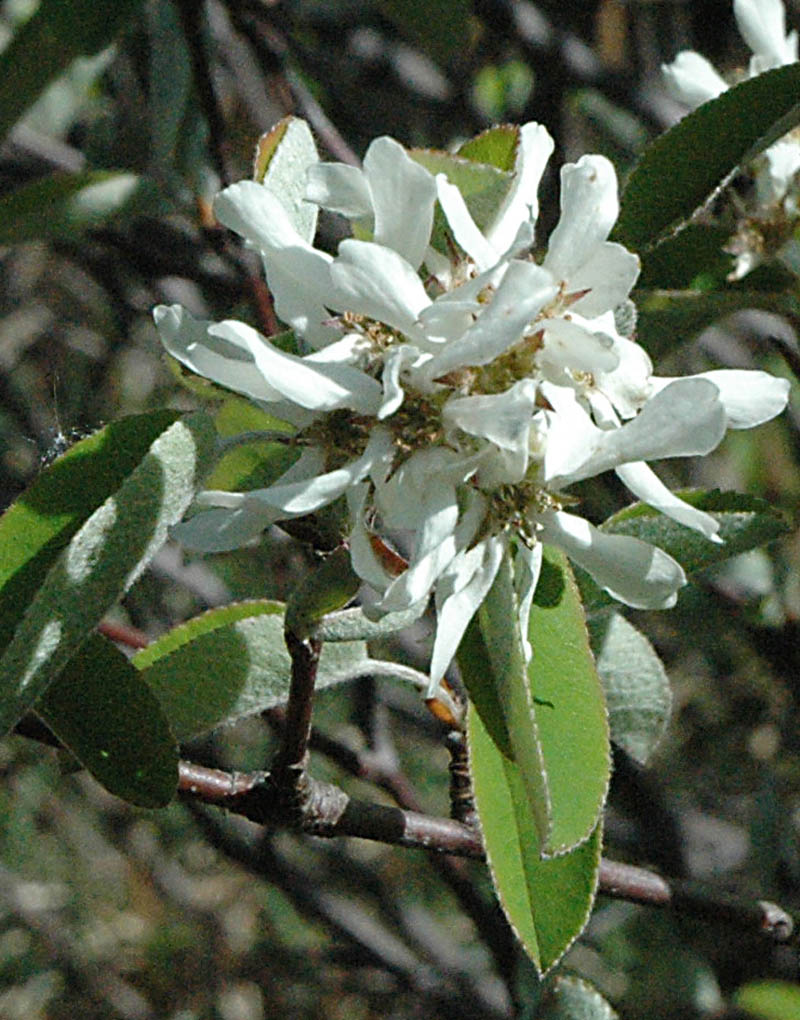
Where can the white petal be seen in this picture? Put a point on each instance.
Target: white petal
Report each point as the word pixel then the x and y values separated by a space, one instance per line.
pixel 340 188
pixel 228 363
pixel 298 274
pixel 465 231
pixel 608 275
pixel 377 282
pixel 782 164
pixel 691 79
pixel 456 605
pixel 645 484
pixel 685 419
pixel 318 387
pixel 505 420
pixel 763 27
pixel 527 567
pixel 362 555
pixel 523 292
pixel 397 359
pixel 589 208
pixel 403 197
pixel 573 344
pixel 638 574
pixel 750 397
pixel 628 386
pixel 214 531
pixel 521 204
pixel 295 499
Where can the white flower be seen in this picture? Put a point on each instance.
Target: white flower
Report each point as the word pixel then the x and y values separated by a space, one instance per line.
pixel 451 394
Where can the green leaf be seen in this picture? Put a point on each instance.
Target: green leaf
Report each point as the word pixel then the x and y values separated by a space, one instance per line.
pixel 48 42
pixel 230 663
pixel 678 172
pixel 547 901
pixel 332 584
pixel 105 714
pixel 496 147
pixel 283 156
pixel 676 263
pixel 35 529
pixel 570 998
pixel 439 27
pixel 355 625
pixel 63 207
pixel 571 714
pixel 549 717
pixel 770 1000
pixel 483 186
pixel 638 694
pixel 102 561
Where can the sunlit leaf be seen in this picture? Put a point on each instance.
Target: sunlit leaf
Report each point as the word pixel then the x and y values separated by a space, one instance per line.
pixel 547 901
pixel 102 561
pixel 232 662
pixel 769 1000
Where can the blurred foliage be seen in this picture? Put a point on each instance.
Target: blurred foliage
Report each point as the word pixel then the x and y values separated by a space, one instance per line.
pixel 105 181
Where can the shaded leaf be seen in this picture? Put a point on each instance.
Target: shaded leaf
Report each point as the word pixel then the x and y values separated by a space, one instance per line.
pixel 547 901
pixel 638 694
pixel 48 42
pixel 102 561
pixel 63 207
pixel 329 586
pixel 415 20
pixel 101 709
pixel 679 170
pixel 232 662
pixel 570 998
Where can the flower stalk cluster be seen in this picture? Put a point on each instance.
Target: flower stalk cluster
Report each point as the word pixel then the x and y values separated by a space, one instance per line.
pixel 449 385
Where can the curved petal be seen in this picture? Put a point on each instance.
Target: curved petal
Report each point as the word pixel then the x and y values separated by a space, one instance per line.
pixel 750 397
pixel 295 499
pixel 523 292
pixel 298 274
pixel 458 598
pixel 607 275
pixel 403 197
pixel 397 359
pixel 521 204
pixel 311 384
pixel 465 231
pixel 763 27
pixel 377 282
pixel 640 575
pixel 589 208
pixel 574 344
pixel 683 420
pixel 691 79
pixel 227 363
pixel 339 188
pixel 527 567
pixel 645 484
pixel 782 162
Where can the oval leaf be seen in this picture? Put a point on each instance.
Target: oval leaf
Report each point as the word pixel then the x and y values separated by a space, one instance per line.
pixel 571 998
pixel 680 169
pixel 102 710
pixel 547 901
pixel 770 1000
pixel 35 528
pixel 638 694
pixel 230 663
pixel 571 715
pixel 331 585
pixel 102 561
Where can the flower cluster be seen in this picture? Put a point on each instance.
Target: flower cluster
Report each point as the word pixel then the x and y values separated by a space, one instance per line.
pixel 451 387
pixel 769 220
